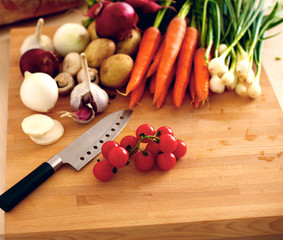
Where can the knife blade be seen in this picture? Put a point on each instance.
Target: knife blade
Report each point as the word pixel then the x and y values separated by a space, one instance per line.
pixel 77 154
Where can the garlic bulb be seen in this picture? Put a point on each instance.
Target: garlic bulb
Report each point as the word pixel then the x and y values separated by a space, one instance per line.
pixel 80 93
pixel 86 97
pixel 37 40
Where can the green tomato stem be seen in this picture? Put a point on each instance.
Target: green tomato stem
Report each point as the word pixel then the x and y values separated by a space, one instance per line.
pixel 153 138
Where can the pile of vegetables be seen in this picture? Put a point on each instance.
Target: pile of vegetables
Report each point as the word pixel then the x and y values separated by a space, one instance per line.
pixel 78 63
pixel 203 46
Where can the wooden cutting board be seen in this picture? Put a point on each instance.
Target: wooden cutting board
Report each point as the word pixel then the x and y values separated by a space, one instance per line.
pixel 229 184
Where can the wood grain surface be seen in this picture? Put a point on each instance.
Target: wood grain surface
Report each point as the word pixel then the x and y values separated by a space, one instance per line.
pixel 229 184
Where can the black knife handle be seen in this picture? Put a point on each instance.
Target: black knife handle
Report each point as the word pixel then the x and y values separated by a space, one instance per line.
pixel 10 198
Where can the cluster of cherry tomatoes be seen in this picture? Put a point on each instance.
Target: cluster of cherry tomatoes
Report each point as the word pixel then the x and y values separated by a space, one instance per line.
pixel 161 147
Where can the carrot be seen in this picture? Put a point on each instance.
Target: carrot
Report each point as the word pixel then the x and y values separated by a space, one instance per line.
pixel 173 40
pixel 154 65
pixel 160 101
pixel 148 46
pixel 137 93
pixel 202 75
pixel 203 55
pixel 184 65
pixel 192 87
pixel 152 83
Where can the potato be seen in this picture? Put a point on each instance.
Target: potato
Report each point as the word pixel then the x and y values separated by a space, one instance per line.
pixel 98 50
pixel 130 44
pixel 115 71
pixel 92 30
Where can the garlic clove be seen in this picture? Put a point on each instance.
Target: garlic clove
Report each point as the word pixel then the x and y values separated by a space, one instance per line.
pixel 100 97
pixel 83 115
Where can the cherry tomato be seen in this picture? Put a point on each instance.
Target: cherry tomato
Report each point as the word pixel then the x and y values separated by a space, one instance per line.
pixel 165 129
pixel 145 129
pixel 118 157
pixel 166 161
pixel 167 143
pixel 107 146
pixel 129 142
pixel 144 162
pixel 153 148
pixel 103 171
pixel 180 150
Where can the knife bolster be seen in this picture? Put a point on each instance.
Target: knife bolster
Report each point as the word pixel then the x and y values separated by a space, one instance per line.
pixel 56 162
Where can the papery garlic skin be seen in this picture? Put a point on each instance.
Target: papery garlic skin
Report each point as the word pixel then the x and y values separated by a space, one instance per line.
pixel 100 97
pixel 37 40
pixel 87 94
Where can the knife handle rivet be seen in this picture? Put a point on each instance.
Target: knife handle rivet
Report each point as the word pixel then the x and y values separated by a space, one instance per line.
pixel 95 147
pixel 82 158
pixel 117 123
pixel 88 152
pixel 107 135
pixel 121 117
pixel 101 141
pixel 113 129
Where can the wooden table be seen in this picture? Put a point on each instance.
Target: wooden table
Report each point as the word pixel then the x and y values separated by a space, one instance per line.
pixel 229 184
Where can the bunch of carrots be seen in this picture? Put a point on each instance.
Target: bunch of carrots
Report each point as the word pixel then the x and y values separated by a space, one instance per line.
pixel 171 58
pixel 180 57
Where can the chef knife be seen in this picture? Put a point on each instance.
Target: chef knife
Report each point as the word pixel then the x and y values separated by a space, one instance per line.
pixel 80 152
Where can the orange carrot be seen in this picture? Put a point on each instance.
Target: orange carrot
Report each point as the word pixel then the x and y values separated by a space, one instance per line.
pixel 201 75
pixel 173 40
pixel 152 83
pixel 184 65
pixel 148 46
pixel 137 93
pixel 192 87
pixel 154 65
pixel 160 101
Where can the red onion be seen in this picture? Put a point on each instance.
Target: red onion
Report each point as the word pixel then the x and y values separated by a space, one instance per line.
pixel 39 60
pixel 152 7
pixel 137 3
pixel 147 6
pixel 116 20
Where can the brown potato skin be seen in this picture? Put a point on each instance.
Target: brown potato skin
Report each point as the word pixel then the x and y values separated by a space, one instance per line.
pixel 130 44
pixel 115 71
pixel 92 30
pixel 98 50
